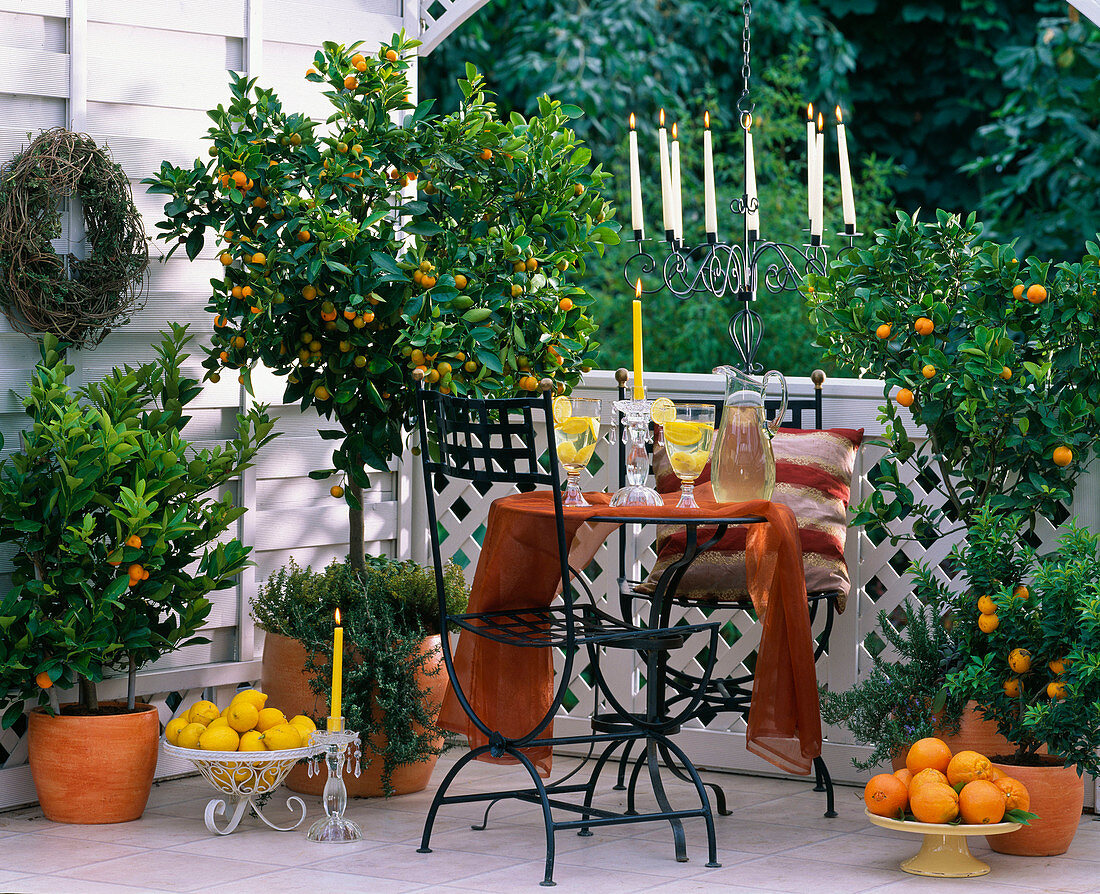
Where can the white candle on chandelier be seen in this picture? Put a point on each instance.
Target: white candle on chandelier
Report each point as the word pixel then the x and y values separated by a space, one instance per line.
pixel 816 224
pixel 637 219
pixel 666 176
pixel 710 207
pixel 811 142
pixel 677 196
pixel 847 200
pixel 752 204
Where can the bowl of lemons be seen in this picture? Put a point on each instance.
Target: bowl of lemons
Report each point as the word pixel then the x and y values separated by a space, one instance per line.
pixel 244 750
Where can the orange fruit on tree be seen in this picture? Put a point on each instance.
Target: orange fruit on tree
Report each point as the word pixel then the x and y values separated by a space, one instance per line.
pixel 1062 456
pixel 240 178
pixel 1036 293
pixel 886 795
pixel 924 326
pixel 1015 793
pixel 967 766
pixel 1012 688
pixel 309 292
pixel 988 623
pixel 934 802
pixel 43 680
pixel 357 58
pixel 134 541
pixel 226 258
pixel 566 304
pixel 303 235
pixel 928 371
pixel 1021 592
pixel 236 291
pixel 1019 660
pixel 925 776
pixel 981 803
pixel 259 258
pixel 1018 291
pixel 460 281
pixel 1057 666
pixel 904 397
pixel 391 55
pixel 1006 372
pixel 928 753
pixel 321 393
pixel 486 154
pixel 884 330
pixel 336 491
pixel 1057 690
pixel 351 82
pixel 986 605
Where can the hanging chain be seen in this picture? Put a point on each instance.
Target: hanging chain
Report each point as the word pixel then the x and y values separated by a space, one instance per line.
pixel 743 106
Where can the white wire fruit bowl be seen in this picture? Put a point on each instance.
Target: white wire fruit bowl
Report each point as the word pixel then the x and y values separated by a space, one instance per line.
pixel 243 776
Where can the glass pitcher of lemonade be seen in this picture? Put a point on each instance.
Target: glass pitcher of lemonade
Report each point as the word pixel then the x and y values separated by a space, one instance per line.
pixel 743 464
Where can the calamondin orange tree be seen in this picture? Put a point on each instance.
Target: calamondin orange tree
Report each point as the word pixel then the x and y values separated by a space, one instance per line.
pixel 996 361
pixel 386 239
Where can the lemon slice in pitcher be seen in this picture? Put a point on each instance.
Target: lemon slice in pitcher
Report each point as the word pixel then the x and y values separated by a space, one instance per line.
pixel 563 409
pixel 663 411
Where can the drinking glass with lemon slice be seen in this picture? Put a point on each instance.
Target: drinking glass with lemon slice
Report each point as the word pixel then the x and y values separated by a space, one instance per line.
pixel 576 433
pixel 689 437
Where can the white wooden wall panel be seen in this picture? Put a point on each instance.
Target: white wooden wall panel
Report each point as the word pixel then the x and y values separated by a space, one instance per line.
pixel 138 75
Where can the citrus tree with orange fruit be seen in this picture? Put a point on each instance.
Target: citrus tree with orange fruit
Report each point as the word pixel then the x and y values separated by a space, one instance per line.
pixel 116 523
pixel 1033 649
pixel 386 240
pixel 994 362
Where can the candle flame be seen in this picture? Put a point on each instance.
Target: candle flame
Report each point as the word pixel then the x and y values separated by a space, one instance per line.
pixel 631 120
pixel 746 120
pixel 820 123
pixel 809 111
pixel 674 137
pixel 839 116
pixel 706 120
pixel 662 117
pixel 638 288
pixel 337 617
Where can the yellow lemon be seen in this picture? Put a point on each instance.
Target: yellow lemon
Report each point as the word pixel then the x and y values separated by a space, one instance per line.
pixel 225 711
pixel 282 737
pixel 243 716
pixel 252 741
pixel 585 454
pixel 563 409
pixel 302 720
pixel 682 433
pixel 203 712
pixel 268 718
pixel 189 735
pixel 576 425
pixel 662 411
pixel 567 453
pixel 252 696
pixel 244 776
pixel 216 722
pixel 172 729
pixel 219 738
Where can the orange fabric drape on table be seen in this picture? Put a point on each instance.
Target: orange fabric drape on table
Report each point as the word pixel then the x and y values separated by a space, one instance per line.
pixel 511 688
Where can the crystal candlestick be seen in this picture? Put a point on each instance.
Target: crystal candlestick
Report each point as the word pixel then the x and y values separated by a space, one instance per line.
pixel 341 748
pixel 637 434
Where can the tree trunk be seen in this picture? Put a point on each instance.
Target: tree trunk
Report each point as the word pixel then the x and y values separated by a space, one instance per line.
pixel 356 544
pixel 89 699
pixel 131 684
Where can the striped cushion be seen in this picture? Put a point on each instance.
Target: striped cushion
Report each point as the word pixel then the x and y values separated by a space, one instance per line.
pixel 813 475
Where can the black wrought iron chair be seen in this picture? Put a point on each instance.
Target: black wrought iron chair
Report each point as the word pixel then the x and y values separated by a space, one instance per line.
pixel 496 442
pixel 722 695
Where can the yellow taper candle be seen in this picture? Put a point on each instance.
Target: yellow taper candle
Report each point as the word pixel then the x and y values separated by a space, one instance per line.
pixel 336 711
pixel 639 388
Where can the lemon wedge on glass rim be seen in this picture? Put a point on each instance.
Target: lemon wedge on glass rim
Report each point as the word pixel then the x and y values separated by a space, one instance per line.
pixel 563 409
pixel 662 411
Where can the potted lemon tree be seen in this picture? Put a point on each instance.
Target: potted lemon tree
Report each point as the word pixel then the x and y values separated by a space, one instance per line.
pixel 118 534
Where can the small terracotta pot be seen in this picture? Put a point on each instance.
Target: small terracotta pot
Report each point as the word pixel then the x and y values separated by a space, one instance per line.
pixel 287 686
pixel 93 769
pixel 1057 796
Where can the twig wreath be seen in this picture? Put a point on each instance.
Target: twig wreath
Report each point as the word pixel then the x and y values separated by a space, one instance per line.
pixel 78 300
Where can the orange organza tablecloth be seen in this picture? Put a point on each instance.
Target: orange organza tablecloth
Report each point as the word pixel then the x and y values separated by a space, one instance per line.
pixel 511 688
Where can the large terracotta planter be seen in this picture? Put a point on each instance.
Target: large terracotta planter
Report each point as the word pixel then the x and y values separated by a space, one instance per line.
pixel 1057 796
pixel 287 685
pixel 96 769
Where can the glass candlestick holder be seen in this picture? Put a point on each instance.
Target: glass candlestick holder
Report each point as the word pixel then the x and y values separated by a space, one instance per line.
pixel 341 749
pixel 637 434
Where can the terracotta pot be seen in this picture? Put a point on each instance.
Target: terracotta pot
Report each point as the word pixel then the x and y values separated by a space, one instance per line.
pixel 975 734
pixel 93 769
pixel 287 685
pixel 1057 796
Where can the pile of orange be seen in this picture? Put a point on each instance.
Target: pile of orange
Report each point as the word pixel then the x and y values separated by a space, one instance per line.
pixel 936 786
